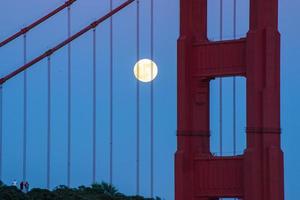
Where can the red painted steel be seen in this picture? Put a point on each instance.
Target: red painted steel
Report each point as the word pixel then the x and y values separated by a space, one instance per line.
pixel 36 23
pixel 258 173
pixel 64 43
pixel 218 176
pixel 212 60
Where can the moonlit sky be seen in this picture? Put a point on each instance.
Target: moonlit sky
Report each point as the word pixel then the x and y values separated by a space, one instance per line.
pixel 16 14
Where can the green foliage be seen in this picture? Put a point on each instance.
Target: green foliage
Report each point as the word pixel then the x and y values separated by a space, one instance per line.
pixel 96 191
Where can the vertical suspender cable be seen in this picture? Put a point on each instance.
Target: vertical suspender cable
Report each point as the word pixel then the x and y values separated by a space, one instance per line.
pixel 137 99
pixel 221 89
pixel 1 129
pixel 48 122
pixel 25 109
pixel 234 83
pixel 111 98
pixel 152 104
pixel 69 101
pixel 94 105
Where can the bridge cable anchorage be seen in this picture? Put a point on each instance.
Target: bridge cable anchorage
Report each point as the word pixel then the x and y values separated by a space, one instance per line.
pixel 36 23
pixel 25 109
pixel 1 130
pixel 94 103
pixel 111 98
pixel 221 86
pixel 65 42
pixel 48 121
pixel 69 99
pixel 138 99
pixel 152 103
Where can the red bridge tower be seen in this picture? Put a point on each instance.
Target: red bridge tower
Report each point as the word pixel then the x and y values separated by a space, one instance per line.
pixel 258 173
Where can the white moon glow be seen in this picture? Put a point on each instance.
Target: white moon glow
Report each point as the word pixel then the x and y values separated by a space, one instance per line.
pixel 145 70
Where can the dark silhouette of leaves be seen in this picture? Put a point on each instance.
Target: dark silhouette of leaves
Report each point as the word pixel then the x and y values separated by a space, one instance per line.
pixel 97 191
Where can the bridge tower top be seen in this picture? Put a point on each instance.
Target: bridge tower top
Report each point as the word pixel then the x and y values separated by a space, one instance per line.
pixel 263 14
pixel 193 19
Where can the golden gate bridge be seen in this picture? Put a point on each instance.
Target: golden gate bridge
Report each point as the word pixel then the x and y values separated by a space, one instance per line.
pixel 199 61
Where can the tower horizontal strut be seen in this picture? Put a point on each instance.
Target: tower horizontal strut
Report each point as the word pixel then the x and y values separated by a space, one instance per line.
pixel 66 42
pixel 229 58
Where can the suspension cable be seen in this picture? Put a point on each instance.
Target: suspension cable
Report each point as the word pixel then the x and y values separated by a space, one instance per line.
pixel 94 104
pixel 220 85
pixel 152 103
pixel 1 130
pixel 25 109
pixel 48 122
pixel 138 99
pixel 234 83
pixel 111 98
pixel 36 23
pixel 69 99
pixel 66 42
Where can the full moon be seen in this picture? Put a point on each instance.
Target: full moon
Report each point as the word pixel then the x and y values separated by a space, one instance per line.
pixel 145 70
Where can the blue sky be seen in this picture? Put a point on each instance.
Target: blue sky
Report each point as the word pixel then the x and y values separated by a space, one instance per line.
pixel 15 15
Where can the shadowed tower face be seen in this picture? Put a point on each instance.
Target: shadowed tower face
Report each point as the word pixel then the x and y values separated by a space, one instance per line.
pixel 258 173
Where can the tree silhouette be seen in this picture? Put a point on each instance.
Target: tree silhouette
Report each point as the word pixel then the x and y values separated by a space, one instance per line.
pixel 96 191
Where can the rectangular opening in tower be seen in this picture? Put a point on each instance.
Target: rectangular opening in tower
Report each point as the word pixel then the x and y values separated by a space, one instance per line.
pixel 235 19
pixel 227 116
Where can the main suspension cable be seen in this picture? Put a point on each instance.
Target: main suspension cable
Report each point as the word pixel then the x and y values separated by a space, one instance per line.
pixel 65 42
pixel 36 23
pixel 25 109
pixel 137 99
pixel 48 122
